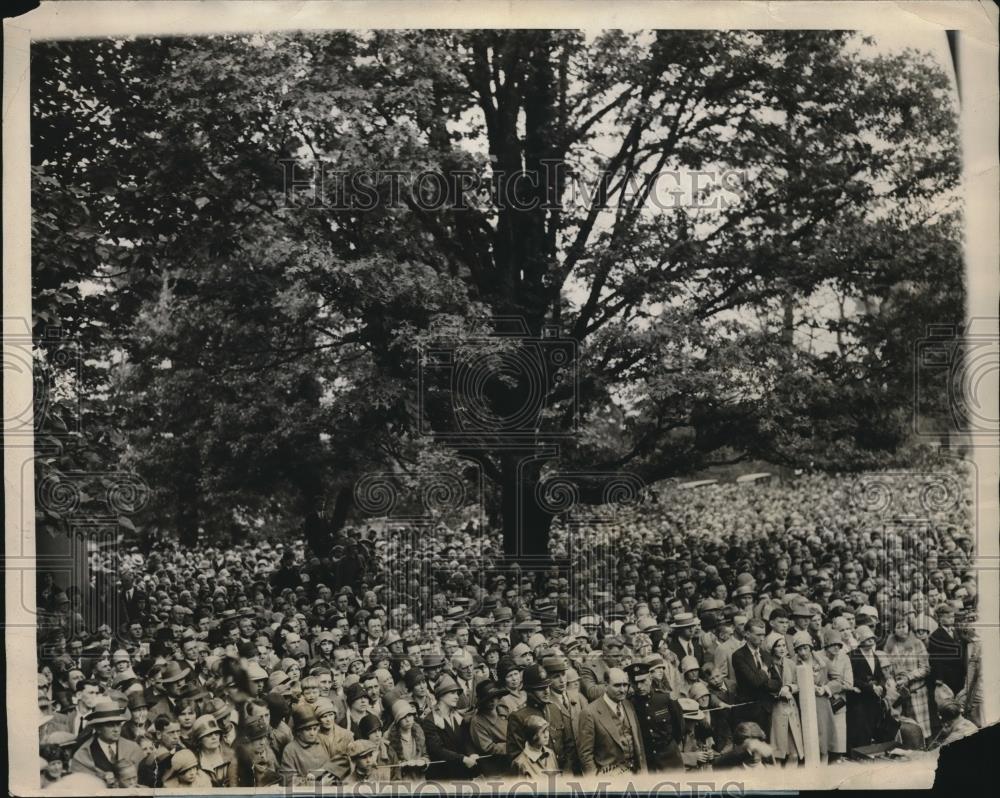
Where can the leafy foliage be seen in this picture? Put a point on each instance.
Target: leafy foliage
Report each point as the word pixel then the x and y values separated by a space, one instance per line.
pixel 252 352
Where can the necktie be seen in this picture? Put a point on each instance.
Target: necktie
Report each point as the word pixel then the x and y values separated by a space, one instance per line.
pixel 756 659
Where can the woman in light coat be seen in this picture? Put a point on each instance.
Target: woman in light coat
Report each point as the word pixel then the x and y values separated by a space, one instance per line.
pixel 804 655
pixel 838 668
pixel 786 731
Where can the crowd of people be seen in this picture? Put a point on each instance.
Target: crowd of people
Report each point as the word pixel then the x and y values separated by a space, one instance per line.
pixel 668 636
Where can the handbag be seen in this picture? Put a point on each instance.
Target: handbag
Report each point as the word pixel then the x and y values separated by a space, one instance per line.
pixel 838 702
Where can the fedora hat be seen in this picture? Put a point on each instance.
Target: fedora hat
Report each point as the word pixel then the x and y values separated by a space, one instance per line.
pixel 432 660
pixel 555 664
pixel 255 729
pixel 106 711
pixel 174 672
pixel 137 700
pixel 219 709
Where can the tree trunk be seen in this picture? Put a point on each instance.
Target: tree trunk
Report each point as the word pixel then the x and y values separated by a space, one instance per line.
pixel 188 513
pixel 526 524
pixel 341 507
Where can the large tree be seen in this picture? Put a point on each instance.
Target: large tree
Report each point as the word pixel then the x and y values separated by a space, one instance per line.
pixel 279 343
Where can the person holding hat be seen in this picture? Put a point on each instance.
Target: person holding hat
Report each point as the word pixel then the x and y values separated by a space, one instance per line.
pixel 865 707
pixel 447 735
pixel 610 739
pixel 256 763
pixel 305 760
pixel 660 720
pixel 105 748
pixel 406 739
pixel 184 773
pixel 488 729
pixel 215 757
pixel 539 704
pixel 697 746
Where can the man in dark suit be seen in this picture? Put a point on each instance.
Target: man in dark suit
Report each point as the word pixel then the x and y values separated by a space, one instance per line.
pixel 946 652
pixel 684 643
pixel 755 680
pixel 610 738
pixel 129 596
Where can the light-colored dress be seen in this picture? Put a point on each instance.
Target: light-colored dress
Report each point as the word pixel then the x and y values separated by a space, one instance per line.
pixel 841 681
pixel 786 730
pixel 824 712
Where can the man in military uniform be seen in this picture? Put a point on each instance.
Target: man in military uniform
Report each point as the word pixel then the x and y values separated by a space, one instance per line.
pixel 660 718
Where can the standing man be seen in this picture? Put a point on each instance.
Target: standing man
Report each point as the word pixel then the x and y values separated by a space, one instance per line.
pixel 106 750
pixel 754 679
pixel 946 653
pixel 684 643
pixel 610 739
pixel 661 721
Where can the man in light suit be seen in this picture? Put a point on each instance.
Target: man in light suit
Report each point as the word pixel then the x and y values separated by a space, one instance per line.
pixel 610 738
pixel 105 749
